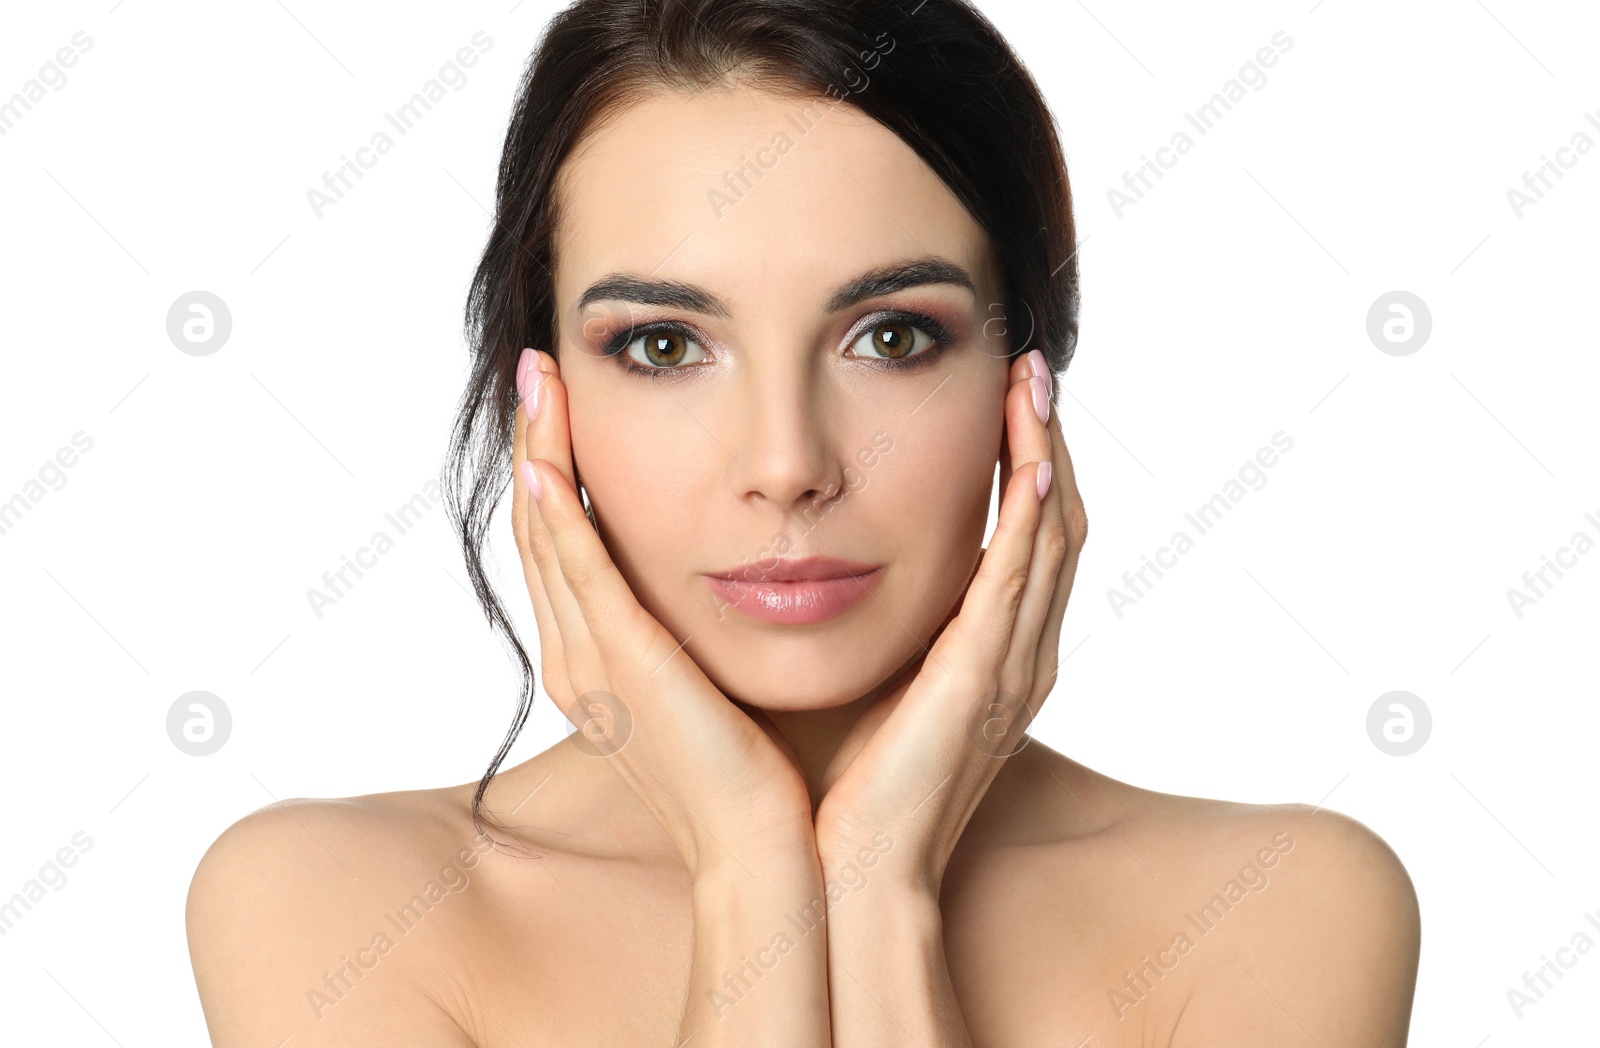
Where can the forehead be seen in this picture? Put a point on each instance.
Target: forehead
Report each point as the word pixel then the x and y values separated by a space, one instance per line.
pixel 753 193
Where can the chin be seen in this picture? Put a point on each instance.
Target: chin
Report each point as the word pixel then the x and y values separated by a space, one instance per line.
pixel 769 677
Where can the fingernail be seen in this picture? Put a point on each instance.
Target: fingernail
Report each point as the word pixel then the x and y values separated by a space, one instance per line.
pixel 531 478
pixel 524 362
pixel 531 404
pixel 1041 397
pixel 1037 365
pixel 1045 469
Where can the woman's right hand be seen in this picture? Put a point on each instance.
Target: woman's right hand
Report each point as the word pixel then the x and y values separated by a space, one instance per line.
pixel 722 785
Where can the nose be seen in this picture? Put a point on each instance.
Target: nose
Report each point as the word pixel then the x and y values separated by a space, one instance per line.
pixel 785 435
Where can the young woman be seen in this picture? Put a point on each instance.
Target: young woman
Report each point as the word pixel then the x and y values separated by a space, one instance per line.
pixel 773 287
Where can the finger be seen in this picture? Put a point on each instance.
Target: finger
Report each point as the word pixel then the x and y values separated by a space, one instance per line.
pixel 1064 487
pixel 545 434
pixel 602 606
pixel 1019 373
pixel 1033 440
pixel 549 437
pixel 551 652
pixel 1021 369
pixel 989 608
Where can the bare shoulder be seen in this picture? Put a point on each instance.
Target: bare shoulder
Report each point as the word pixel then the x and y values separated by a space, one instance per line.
pixel 1238 924
pixel 1331 937
pixel 299 916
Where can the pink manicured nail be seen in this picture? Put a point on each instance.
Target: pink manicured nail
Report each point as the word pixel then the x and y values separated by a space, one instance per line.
pixel 1041 397
pixel 531 403
pixel 1037 365
pixel 524 363
pixel 1045 469
pixel 532 479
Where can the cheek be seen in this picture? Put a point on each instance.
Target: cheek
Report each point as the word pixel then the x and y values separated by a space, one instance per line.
pixel 941 489
pixel 951 459
pixel 644 464
pixel 624 465
pixel 647 492
pixel 936 499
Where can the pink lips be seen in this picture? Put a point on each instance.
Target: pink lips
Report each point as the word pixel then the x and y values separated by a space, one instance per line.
pixel 796 592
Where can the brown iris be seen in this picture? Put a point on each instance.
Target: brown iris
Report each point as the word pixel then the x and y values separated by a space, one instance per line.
pixel 667 344
pixel 893 340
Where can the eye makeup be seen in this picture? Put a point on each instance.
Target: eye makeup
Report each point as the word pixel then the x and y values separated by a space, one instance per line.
pixel 615 344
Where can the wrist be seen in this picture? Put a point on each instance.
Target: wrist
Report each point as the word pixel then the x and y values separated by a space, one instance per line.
pixel 760 957
pixel 772 864
pixel 890 868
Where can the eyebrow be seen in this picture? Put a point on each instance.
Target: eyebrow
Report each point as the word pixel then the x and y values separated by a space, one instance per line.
pixel 884 280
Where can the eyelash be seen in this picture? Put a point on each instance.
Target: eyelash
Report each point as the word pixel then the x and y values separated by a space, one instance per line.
pixel 618 342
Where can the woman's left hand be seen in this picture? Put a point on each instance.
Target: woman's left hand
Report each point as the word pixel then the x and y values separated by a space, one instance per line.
pixel 912 770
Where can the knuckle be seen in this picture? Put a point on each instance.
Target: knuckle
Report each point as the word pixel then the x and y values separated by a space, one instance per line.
pixel 586 568
pixel 614 644
pixel 579 575
pixel 1078 524
pixel 539 546
pixel 1013 584
pixel 1055 545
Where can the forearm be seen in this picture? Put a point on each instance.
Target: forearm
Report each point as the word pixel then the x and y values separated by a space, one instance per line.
pixel 889 981
pixel 760 968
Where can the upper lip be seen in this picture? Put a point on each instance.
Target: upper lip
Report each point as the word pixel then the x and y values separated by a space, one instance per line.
pixel 805 569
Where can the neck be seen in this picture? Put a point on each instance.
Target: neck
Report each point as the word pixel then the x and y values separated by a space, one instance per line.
pixel 572 786
pixel 813 739
pixel 822 742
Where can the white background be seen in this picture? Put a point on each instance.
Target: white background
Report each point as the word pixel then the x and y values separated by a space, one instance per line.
pixel 1226 305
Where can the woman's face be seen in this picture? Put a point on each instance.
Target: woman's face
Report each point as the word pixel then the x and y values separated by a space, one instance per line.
pixel 800 398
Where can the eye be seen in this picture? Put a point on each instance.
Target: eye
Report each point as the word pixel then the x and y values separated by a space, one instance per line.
pixel 660 348
pixel 896 338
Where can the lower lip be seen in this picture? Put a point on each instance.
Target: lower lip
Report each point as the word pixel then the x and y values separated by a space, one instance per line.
pixel 796 603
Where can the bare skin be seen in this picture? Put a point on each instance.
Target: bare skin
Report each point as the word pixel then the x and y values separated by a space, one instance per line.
pixel 1050 900
pixel 801 840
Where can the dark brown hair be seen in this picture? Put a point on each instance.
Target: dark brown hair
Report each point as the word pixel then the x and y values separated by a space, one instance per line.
pixel 938 75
